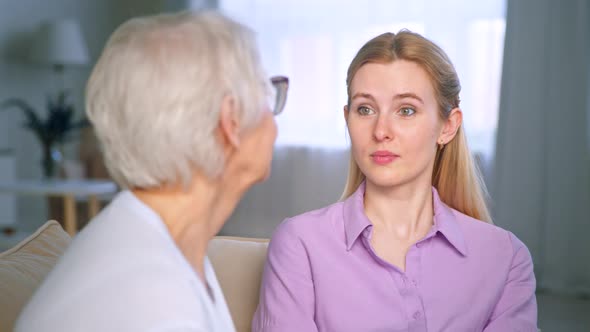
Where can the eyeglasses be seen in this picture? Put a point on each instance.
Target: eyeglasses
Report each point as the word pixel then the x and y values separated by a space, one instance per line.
pixel 278 96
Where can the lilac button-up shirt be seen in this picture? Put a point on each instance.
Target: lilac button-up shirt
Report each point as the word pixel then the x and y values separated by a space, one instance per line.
pixel 465 275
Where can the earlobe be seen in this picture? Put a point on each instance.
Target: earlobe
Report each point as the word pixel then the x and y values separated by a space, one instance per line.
pixel 229 125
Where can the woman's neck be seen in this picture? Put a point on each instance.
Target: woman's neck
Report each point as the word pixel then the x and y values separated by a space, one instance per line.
pixel 405 211
pixel 193 215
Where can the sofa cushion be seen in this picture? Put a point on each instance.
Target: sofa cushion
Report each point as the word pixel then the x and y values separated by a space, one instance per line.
pixel 238 264
pixel 23 267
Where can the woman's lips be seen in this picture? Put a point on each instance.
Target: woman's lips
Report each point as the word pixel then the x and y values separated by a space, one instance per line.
pixel 383 157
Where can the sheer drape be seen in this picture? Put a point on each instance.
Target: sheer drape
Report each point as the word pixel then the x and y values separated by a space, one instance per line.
pixel 313 42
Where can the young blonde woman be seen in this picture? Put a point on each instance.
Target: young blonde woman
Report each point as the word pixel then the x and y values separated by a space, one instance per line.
pixel 411 246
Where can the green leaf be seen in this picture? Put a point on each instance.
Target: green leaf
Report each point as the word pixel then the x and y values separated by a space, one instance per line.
pixel 33 121
pixel 58 124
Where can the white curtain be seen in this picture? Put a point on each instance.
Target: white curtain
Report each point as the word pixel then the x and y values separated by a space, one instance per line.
pixel 313 42
pixel 541 186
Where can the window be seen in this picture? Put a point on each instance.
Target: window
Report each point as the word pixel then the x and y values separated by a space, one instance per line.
pixel 313 43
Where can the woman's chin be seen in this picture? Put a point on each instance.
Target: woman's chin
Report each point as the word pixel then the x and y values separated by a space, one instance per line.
pixel 386 180
pixel 260 177
pixel 264 177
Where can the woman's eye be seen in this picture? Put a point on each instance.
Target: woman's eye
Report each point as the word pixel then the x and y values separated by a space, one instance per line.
pixel 407 111
pixel 363 110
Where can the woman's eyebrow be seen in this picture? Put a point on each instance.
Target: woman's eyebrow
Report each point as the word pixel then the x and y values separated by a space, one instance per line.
pixel 408 95
pixel 363 95
pixel 397 96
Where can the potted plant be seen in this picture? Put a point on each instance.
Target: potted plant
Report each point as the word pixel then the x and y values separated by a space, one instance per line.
pixel 53 131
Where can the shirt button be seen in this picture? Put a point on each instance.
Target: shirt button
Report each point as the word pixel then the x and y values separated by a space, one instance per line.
pixel 417 315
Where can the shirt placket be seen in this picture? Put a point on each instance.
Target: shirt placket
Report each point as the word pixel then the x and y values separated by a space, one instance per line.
pixel 411 294
pixel 408 281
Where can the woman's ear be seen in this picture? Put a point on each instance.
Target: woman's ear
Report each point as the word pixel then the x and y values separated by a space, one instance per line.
pixel 229 124
pixel 451 126
pixel 345 112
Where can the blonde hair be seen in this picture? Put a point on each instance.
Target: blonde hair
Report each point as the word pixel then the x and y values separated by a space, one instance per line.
pixel 455 174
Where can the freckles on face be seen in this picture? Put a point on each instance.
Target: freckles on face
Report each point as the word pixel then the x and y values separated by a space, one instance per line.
pixel 393 112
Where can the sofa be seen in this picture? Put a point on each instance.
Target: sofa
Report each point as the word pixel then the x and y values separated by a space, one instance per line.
pixel 238 263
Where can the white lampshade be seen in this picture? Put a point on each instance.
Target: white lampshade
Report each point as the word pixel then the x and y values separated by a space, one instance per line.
pixel 59 43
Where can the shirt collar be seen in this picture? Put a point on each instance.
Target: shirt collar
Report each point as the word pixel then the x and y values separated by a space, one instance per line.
pixel 127 201
pixel 445 221
pixel 355 220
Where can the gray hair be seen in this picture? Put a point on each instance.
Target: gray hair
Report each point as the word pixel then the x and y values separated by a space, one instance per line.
pixel 155 93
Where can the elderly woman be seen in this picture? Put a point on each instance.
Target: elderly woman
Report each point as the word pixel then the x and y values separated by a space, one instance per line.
pixel 179 105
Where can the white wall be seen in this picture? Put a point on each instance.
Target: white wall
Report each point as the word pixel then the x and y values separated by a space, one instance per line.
pixel 18 19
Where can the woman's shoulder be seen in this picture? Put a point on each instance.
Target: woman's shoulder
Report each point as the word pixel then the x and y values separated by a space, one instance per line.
pixel 484 236
pixel 311 222
pixel 137 272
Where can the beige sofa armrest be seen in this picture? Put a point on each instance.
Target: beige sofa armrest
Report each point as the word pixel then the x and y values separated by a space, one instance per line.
pixel 238 264
pixel 23 267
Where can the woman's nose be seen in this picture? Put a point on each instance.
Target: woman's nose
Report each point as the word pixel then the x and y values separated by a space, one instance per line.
pixel 382 130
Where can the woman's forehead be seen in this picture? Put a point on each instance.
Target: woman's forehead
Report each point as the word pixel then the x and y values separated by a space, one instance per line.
pixel 394 78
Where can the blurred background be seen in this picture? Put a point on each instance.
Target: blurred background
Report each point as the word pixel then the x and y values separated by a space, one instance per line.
pixel 524 67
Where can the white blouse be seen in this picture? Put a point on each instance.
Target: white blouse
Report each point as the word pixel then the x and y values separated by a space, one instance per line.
pixel 124 272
